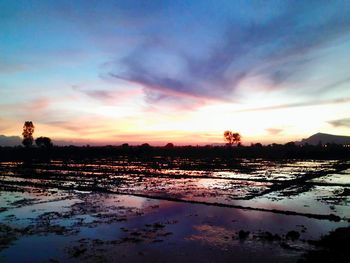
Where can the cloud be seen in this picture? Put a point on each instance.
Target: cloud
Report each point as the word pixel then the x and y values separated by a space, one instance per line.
pixel 83 126
pixel 341 123
pixel 299 104
pixel 34 106
pixel 11 67
pixel 274 131
pixel 277 50
pixel 336 84
pixel 110 97
pixel 98 94
pixel 39 104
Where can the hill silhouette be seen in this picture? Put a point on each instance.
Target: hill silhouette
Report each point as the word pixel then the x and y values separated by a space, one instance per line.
pixel 325 138
pixel 10 140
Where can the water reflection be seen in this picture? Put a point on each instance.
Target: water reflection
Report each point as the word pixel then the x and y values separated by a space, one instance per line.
pixel 82 225
pixel 287 185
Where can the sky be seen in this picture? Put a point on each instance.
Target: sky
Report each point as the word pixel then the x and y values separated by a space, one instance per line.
pixel 111 72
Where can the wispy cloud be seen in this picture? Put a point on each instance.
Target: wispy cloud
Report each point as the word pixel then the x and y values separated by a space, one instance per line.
pixel 38 105
pixel 299 104
pixel 83 126
pixel 274 131
pixel 107 96
pixel 336 84
pixel 33 106
pixel 104 95
pixel 341 123
pixel 10 67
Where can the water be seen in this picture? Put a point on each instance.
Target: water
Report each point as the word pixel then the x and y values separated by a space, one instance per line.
pixel 128 210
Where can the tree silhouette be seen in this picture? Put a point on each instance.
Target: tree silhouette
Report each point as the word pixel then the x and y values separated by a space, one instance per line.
pixel 169 145
pixel 44 142
pixel 28 130
pixel 232 137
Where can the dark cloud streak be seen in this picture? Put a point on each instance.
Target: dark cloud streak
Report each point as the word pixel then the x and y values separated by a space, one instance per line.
pixel 341 123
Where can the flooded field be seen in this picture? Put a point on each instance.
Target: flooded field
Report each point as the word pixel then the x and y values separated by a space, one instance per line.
pixel 169 209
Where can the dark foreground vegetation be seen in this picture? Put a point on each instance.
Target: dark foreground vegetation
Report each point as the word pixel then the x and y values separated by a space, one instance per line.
pixel 274 151
pixel 330 248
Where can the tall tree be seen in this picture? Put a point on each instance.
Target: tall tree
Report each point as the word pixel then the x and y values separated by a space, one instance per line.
pixel 28 130
pixel 232 137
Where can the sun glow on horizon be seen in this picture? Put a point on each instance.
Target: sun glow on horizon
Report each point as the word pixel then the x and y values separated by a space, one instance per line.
pixel 204 125
pixel 127 79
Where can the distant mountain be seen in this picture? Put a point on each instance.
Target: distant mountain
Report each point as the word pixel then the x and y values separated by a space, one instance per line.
pixel 16 140
pixel 217 144
pixel 325 138
pixel 68 143
pixel 10 140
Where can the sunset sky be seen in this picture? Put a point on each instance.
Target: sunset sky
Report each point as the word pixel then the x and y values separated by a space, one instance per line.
pixel 109 72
